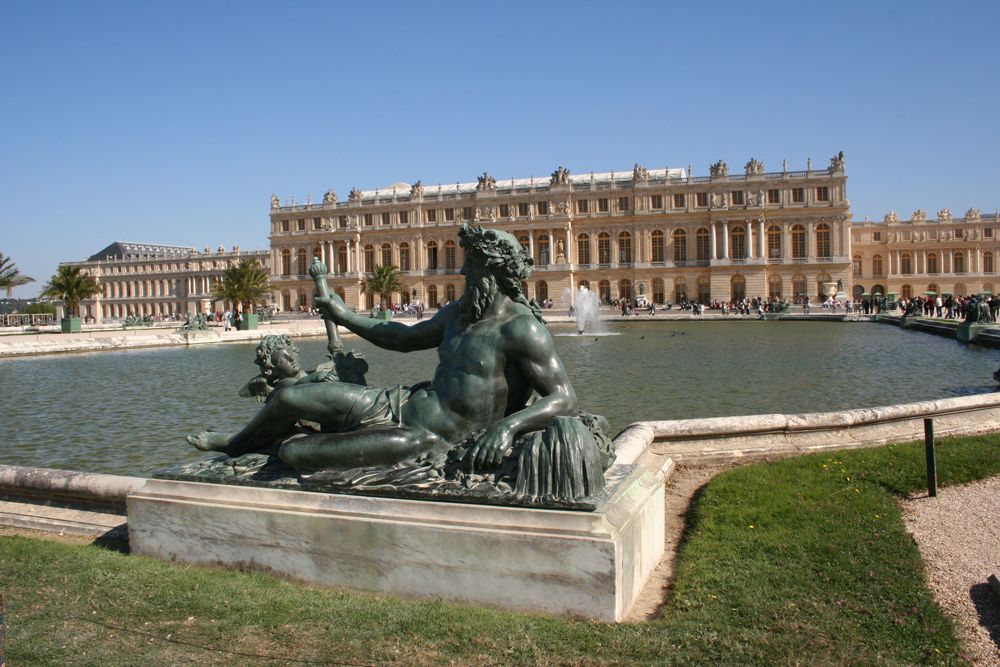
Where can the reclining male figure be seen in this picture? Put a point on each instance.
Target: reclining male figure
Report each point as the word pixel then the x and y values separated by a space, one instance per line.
pixel 494 352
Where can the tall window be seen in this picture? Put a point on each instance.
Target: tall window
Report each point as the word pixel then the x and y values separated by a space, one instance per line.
pixel 603 248
pixel 737 197
pixel 988 262
pixel 680 290
pixel 656 201
pixel 739 243
pixel 659 293
pixel 286 262
pixel 957 263
pixel 522 209
pixel 877 265
pixel 432 255
pixel 623 203
pixel 449 214
pixel 432 296
pixel 542 207
pixel 624 288
pixel 541 291
pixel 774 242
pixel 856 265
pixel 798 195
pixel 525 243
pixel 602 205
pixel 404 217
pixel 823 240
pixel 625 248
pixel 504 210
pixel 704 289
pixel 798 242
pixel 738 288
pixel 656 239
pixel 449 257
pixel 604 290
pixel 369 258
pixel 701 199
pixel 284 225
pixel 302 265
pixel 386 218
pixel 368 220
pixel 583 249
pixel 799 288
pixel 774 286
pixel 542 247
pixel 932 263
pixel 386 254
pixel 774 196
pixel 822 193
pixel 467 214
pixel 703 244
pixel 906 292
pixel 679 201
pixel 905 263
pixel 342 258
pixel 449 292
pixel 404 256
pixel 680 238
pixel 582 206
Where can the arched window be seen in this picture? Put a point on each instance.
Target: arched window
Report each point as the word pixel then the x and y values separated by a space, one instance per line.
pixel 878 290
pixel 858 292
pixel 906 292
pixel 905 263
pixel 525 243
pixel 933 287
pixel 798 242
pixel 774 242
pixel 542 248
pixel 342 258
pixel 369 300
pixel 541 291
pixel 704 289
pixel 820 280
pixel 799 292
pixel 774 287
pixel 987 262
pixel 823 246
pixel 432 257
pixel 302 266
pixel 584 283
pixel 449 292
pixel 856 265
pixel 604 248
pixel 604 289
pixel 958 263
pixel 738 288
pixel 656 241
pixel 432 296
pixel 932 263
pixel 877 266
pixel 960 289
pixel 624 288
pixel 680 239
pixel 680 290
pixel 369 258
pixel 583 249
pixel 386 254
pixel 449 258
pixel 703 244
pixel 625 248
pixel 738 242
pixel 659 293
pixel 404 258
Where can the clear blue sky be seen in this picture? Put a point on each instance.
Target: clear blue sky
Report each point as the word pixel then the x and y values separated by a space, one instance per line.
pixel 173 122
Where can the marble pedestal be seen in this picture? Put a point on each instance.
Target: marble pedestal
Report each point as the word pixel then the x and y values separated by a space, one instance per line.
pixel 590 564
pixel 199 337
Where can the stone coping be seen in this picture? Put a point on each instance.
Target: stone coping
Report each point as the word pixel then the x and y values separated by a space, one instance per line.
pixel 68 485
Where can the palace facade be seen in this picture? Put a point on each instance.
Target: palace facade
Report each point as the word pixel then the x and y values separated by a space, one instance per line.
pixel 153 280
pixel 943 255
pixel 664 233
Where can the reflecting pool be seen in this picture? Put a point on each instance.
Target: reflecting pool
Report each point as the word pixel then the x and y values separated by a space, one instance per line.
pixel 127 412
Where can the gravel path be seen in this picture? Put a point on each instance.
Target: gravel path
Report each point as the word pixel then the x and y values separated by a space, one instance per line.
pixel 958 533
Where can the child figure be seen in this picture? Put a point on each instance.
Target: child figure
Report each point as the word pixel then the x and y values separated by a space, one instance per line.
pixel 278 360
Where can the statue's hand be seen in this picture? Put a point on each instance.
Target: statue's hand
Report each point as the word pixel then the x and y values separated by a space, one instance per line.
pixel 489 451
pixel 331 307
pixel 317 268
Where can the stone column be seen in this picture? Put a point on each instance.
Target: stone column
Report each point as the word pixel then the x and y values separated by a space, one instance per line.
pixel 979 260
pixel 968 261
pixel 725 240
pixel 714 228
pixel 750 240
pixel 762 238
pixel 811 241
pixel 531 245
pixel 570 250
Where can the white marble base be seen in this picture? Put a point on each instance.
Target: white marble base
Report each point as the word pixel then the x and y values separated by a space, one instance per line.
pixel 591 564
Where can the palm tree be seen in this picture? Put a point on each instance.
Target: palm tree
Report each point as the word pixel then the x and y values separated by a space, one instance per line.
pixel 71 285
pixel 243 284
pixel 384 280
pixel 10 276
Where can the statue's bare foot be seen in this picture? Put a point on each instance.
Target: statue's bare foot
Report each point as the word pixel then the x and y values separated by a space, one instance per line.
pixel 209 441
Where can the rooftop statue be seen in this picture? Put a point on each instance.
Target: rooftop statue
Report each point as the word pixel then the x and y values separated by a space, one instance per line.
pixel 498 422
pixel 720 168
pixel 559 177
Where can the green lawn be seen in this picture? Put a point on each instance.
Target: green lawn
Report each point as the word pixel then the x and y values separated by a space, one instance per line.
pixel 803 561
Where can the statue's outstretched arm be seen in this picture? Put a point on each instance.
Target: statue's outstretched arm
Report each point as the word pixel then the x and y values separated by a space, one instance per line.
pixel 530 345
pixel 390 335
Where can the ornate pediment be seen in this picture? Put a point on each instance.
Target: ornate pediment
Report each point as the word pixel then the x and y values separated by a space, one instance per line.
pixel 559 177
pixel 837 162
pixel 754 168
pixel 720 168
pixel 486 183
pixel 639 173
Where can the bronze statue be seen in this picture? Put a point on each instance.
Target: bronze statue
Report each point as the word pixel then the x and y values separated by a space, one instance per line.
pixel 500 408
